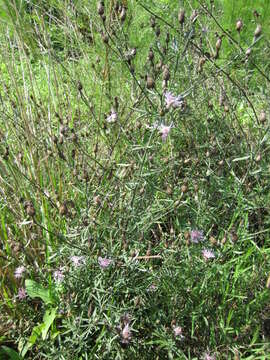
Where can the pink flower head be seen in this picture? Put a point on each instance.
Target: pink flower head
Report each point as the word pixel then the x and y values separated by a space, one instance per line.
pixel 104 262
pixel 208 254
pixel 22 293
pixel 19 272
pixel 173 101
pixel 196 236
pixel 58 276
pixel 207 356
pixel 164 131
pixel 113 117
pixel 77 260
pixel 178 332
pixel 126 334
pixel 152 288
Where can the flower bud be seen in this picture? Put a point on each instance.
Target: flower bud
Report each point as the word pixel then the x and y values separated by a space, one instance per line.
pixel 239 25
pixel 258 31
pixel 150 82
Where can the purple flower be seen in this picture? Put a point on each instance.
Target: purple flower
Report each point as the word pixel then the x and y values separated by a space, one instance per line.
pixel 152 288
pixel 208 254
pixel 113 117
pixel 104 262
pixel 58 276
pixel 207 356
pixel 173 101
pixel 196 236
pixel 126 334
pixel 19 271
pixel 178 332
pixel 77 260
pixel 164 131
pixel 22 293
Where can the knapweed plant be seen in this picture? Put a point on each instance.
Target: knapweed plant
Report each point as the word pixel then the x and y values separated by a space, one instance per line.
pixel 134 179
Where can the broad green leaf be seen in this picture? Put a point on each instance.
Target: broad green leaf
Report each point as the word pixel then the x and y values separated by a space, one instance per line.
pixel 36 290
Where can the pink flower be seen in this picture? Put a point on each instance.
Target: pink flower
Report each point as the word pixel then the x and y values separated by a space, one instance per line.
pixel 164 131
pixel 104 262
pixel 196 236
pixel 77 260
pixel 19 271
pixel 208 254
pixel 178 332
pixel 113 117
pixel 58 276
pixel 207 356
pixel 152 288
pixel 173 101
pixel 22 293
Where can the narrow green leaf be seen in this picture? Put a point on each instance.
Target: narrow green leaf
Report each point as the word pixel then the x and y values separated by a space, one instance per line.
pixel 48 319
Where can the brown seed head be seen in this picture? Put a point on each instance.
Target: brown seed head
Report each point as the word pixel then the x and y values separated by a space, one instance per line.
pixel 262 116
pixel 258 31
pixel 218 44
pixel 100 8
pixel 239 25
pixel 30 210
pixel 63 210
pixel 184 188
pixel 150 54
pixel 248 51
pixel 150 82
pixel 181 16
pixel 166 74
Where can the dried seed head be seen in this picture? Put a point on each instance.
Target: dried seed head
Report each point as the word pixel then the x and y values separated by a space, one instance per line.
pixel 248 51
pixel 184 188
pixel 150 82
pixel 30 210
pixel 63 210
pixel 201 63
pixel 157 32
pixel 187 235
pixel 226 108
pixel 223 240
pixel 169 190
pixel 152 22
pixel 218 44
pixel 159 65
pixel 105 38
pixel 55 139
pixel 213 240
pixel 150 55
pixel 100 8
pixel 181 16
pixel 123 14
pixel 166 74
pixel 79 86
pixel 258 158
pixel 194 16
pixel 258 31
pixel 262 116
pixel 268 282
pixel 61 139
pixel 239 25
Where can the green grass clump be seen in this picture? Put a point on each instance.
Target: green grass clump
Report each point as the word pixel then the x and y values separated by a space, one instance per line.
pixel 134 179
